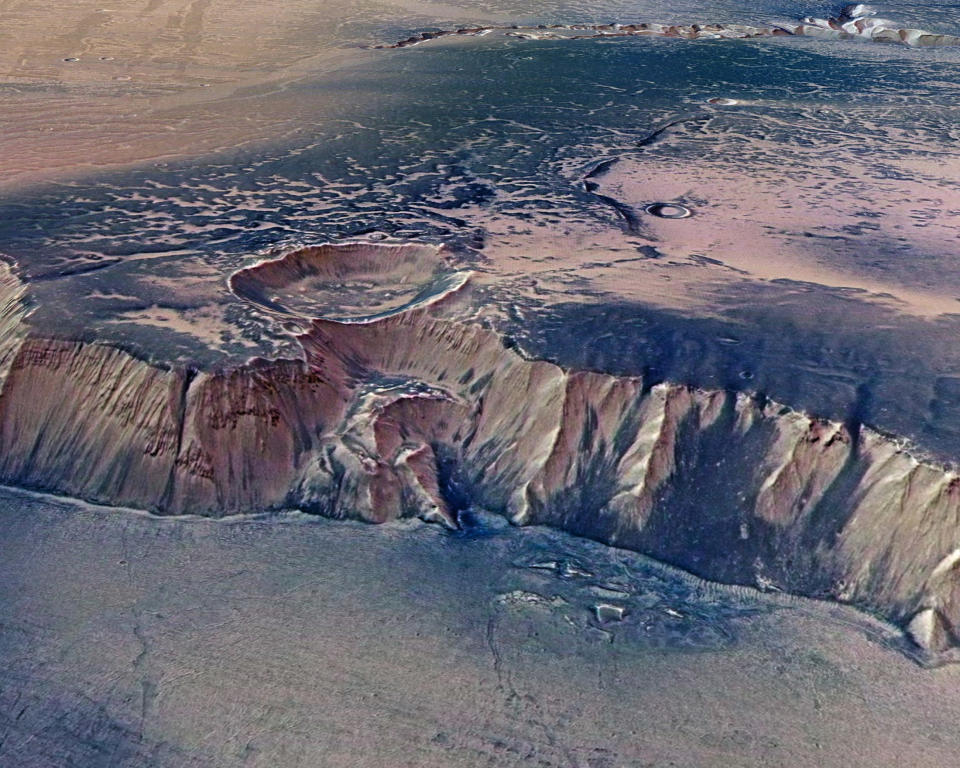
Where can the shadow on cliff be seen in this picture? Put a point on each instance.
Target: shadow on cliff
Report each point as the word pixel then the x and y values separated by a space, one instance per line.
pixel 825 351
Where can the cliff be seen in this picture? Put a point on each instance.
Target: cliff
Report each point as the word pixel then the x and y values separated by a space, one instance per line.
pixel 415 414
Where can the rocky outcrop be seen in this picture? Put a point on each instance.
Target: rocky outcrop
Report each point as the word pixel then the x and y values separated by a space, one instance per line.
pixel 581 31
pixel 853 22
pixel 859 21
pixel 415 414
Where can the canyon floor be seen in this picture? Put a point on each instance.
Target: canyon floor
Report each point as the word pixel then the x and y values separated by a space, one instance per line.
pixel 131 640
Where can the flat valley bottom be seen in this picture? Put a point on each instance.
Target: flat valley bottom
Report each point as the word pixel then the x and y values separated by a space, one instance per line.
pixel 295 640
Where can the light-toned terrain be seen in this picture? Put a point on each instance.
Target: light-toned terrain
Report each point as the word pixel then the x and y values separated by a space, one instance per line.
pixel 88 86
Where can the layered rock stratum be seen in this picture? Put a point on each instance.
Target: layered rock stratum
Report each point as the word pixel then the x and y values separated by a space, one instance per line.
pixel 406 408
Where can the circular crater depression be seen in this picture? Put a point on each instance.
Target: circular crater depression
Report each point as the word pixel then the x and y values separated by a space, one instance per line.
pixel 668 210
pixel 349 283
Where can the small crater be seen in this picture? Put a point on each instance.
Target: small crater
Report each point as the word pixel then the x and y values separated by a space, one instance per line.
pixel 668 210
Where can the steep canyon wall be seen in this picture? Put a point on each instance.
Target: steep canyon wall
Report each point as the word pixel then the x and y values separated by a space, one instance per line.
pixel 412 414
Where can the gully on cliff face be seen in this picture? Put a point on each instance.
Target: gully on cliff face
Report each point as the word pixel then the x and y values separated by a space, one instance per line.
pixel 388 409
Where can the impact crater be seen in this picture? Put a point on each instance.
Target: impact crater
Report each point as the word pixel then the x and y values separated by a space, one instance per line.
pixel 350 282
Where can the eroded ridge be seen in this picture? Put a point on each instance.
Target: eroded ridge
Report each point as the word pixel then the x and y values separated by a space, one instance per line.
pixel 853 22
pixel 412 414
